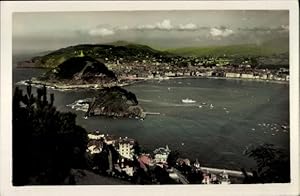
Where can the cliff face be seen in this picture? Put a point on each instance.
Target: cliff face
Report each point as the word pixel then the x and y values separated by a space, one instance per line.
pixel 80 70
pixel 115 102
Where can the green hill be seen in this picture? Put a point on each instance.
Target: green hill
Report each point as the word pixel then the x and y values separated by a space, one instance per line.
pixel 102 52
pixel 268 48
pixel 234 50
pixel 79 70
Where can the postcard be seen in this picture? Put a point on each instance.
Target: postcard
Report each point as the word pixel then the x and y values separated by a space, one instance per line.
pixel 156 97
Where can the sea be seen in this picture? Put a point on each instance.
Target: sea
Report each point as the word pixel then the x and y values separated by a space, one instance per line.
pixel 228 117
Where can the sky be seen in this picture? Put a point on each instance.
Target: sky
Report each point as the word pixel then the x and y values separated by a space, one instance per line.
pixel 42 31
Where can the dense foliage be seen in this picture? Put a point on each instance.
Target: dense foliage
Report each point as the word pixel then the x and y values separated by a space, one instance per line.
pixel 273 165
pixel 129 53
pixel 83 67
pixel 115 101
pixel 46 143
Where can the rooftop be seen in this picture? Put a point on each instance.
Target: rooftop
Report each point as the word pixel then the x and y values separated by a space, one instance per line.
pixel 162 150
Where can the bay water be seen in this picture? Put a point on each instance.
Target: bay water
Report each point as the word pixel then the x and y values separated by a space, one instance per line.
pixel 228 116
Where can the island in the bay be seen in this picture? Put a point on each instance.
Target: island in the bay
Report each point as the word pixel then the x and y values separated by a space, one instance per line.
pixel 112 102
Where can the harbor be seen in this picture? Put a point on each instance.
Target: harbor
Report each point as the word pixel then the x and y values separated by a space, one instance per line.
pixel 194 124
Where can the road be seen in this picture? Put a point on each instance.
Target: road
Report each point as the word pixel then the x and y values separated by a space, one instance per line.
pixel 182 178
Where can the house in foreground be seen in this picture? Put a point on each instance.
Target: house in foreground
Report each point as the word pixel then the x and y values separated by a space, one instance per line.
pixel 161 154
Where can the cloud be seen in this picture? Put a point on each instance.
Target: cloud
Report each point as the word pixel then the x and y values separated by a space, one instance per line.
pixel 122 28
pixel 166 25
pixel 163 25
pixel 146 27
pixel 220 32
pixel 189 26
pixel 198 39
pixel 101 32
pixel 282 28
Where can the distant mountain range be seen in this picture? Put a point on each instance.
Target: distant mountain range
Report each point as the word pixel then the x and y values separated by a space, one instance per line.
pixel 268 48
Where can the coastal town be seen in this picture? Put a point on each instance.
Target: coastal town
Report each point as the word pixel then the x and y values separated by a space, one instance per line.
pixel 209 67
pixel 165 68
pixel 122 157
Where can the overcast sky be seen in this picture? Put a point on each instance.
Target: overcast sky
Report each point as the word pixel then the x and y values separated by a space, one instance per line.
pixel 161 29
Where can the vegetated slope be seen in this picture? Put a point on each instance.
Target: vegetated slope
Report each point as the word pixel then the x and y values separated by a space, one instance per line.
pixel 80 70
pixel 127 51
pixel 115 102
pixel 265 49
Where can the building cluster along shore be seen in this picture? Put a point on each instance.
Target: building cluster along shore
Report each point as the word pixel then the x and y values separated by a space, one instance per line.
pixel 160 67
pixel 132 163
pixel 280 76
pixel 174 67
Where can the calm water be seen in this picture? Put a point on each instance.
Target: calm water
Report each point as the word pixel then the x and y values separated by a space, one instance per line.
pixel 216 136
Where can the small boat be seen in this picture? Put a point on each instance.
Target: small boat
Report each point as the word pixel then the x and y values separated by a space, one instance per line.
pixel 86 117
pixel 187 100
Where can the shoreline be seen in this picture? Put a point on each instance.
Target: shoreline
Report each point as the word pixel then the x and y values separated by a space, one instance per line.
pixel 226 78
pixel 67 87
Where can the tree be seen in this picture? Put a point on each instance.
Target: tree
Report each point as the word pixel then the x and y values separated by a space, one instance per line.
pixel 46 142
pixel 172 158
pixel 273 165
pixel 136 148
pixel 162 176
pixel 195 177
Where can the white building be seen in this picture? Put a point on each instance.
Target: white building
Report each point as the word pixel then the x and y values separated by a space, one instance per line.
pixel 232 75
pixel 122 165
pixel 93 149
pixel 161 154
pixel 126 148
pixel 171 74
pixel 197 164
pixel 95 136
pixel 247 76
pixel 208 73
pixel 179 74
pixel 270 76
pixel 129 170
pixel 264 76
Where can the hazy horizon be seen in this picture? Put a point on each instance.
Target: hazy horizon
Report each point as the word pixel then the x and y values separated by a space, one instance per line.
pixel 43 31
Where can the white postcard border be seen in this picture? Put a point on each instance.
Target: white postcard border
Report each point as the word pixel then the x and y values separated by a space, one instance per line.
pixel 7 8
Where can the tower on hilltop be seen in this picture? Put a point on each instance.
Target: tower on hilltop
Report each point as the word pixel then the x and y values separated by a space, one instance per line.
pixel 81 54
